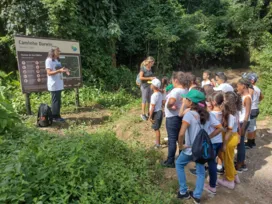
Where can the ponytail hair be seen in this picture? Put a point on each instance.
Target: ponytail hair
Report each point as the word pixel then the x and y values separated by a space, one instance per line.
pixel 232 104
pixel 200 108
pixel 147 60
pixel 245 82
pixel 218 97
pixel 164 82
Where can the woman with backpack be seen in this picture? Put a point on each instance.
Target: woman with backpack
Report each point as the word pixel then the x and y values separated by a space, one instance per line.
pixel 146 76
pixel 194 121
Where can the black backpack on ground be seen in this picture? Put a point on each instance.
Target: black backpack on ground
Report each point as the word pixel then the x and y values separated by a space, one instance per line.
pixel 202 149
pixel 44 118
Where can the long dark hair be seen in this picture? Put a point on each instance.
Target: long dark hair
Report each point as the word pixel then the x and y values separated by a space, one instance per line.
pixel 232 104
pixel 245 82
pixel 200 108
pixel 203 113
pixel 218 97
pixel 164 82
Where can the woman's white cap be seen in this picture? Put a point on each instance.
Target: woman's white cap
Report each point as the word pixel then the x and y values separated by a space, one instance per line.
pixel 156 82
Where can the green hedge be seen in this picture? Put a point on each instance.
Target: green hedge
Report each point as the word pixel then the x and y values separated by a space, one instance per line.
pixel 38 167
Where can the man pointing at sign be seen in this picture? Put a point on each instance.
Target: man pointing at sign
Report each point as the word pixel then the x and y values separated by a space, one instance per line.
pixel 55 81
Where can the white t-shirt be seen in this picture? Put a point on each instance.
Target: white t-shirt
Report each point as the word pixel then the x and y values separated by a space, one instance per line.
pixel 233 123
pixel 225 87
pixel 255 98
pixel 176 94
pixel 242 113
pixel 54 82
pixel 156 99
pixel 218 116
pixel 193 119
pixel 203 83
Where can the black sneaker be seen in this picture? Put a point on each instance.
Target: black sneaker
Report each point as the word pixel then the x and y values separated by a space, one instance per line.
pixel 192 171
pixel 168 164
pixel 220 171
pixel 248 146
pixel 253 143
pixel 240 170
pixel 183 196
pixel 244 167
pixel 196 200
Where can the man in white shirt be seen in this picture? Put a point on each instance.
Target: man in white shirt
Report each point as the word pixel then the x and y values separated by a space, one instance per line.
pixel 221 80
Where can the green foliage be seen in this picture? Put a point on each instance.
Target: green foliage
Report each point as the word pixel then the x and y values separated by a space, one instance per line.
pixel 10 90
pixel 38 167
pixel 262 59
pixel 115 34
pixel 180 34
pixel 8 116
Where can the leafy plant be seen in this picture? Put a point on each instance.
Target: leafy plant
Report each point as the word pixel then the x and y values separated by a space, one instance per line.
pixel 262 60
pixel 38 167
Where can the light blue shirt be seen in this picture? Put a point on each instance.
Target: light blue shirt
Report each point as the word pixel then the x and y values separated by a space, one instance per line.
pixel 54 82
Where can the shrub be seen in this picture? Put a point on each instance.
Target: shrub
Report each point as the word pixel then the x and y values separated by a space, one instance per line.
pixel 262 60
pixel 37 167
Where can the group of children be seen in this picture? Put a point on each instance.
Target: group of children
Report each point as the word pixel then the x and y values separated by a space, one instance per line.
pixel 226 112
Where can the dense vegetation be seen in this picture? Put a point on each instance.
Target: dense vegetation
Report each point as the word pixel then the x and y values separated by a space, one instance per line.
pixel 38 167
pixel 180 34
pixel 115 36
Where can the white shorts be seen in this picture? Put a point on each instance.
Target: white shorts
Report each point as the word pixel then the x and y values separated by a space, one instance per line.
pixel 252 125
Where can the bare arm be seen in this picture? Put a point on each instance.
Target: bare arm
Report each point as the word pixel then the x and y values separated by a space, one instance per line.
pixel 217 131
pixel 145 78
pixel 261 97
pixel 183 108
pixel 171 104
pixel 247 103
pixel 51 73
pixel 182 131
pixel 248 108
pixel 226 139
pixel 151 111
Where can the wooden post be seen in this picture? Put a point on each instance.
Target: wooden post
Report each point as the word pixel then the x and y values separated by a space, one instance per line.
pixel 27 103
pixel 77 97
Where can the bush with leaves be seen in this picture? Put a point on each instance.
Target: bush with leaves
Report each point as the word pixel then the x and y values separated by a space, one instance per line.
pixel 262 60
pixel 38 167
pixel 8 116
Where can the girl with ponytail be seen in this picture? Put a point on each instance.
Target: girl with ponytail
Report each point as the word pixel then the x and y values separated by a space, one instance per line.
pixel 193 120
pixel 230 121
